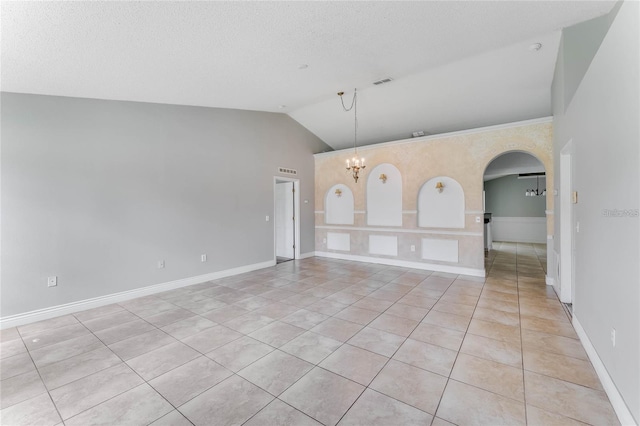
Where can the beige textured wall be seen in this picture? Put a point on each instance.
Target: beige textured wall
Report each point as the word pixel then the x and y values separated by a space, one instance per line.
pixel 462 156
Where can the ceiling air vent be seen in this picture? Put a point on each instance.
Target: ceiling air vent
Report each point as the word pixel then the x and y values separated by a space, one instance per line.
pixel 383 81
pixel 287 171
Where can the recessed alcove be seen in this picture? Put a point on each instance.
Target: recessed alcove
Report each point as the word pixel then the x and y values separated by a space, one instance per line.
pixel 441 204
pixel 338 205
pixel 384 196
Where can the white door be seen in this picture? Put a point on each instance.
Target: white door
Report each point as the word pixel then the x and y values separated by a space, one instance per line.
pixel 284 218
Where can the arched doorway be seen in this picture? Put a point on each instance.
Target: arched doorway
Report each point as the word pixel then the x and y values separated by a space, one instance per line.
pixel 514 202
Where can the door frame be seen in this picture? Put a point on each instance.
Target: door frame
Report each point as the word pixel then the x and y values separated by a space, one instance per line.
pixel 567 221
pixel 296 214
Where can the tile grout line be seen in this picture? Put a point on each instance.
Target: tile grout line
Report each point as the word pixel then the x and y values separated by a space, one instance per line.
pixel 121 393
pixel 40 376
pixel 317 365
pixel 385 364
pixel 459 350
pixel 524 389
pixel 344 343
pixel 308 330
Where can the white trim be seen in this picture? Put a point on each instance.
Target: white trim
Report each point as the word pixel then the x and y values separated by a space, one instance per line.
pixel 549 280
pixel 549 237
pixel 319 212
pixel 359 211
pixel 409 211
pixel 548 212
pixel 401 230
pixel 69 308
pixel 307 255
pixel 461 270
pixel 440 136
pixel 619 406
pixel 474 212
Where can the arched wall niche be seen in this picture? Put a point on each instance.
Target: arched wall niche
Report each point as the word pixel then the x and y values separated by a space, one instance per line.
pixel 339 205
pixel 441 208
pixel 463 157
pixel 384 196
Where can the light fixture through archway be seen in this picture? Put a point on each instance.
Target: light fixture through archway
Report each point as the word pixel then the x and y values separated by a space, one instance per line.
pixel 536 192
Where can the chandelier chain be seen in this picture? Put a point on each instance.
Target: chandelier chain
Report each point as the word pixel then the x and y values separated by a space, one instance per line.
pixel 355 122
pixel 354 107
pixel 358 163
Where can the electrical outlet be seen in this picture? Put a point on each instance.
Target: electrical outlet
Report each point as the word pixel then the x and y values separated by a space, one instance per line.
pixel 52 281
pixel 266 218
pixel 324 241
pixel 413 248
pixel 478 220
pixel 613 337
pixel 160 264
pixel 203 258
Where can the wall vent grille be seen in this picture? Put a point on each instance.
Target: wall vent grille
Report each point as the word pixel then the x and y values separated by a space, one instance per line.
pixel 287 171
pixel 382 81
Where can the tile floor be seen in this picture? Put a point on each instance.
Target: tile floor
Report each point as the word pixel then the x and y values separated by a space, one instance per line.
pixel 312 342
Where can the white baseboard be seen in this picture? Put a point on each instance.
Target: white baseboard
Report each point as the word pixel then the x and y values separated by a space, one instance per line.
pixel 549 280
pixel 307 255
pixel 69 308
pixel 619 406
pixel 405 264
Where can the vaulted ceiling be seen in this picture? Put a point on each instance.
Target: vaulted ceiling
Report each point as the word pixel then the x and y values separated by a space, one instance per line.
pixel 454 65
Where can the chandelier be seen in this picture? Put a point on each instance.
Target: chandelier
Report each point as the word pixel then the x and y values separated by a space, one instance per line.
pixel 355 164
pixel 536 192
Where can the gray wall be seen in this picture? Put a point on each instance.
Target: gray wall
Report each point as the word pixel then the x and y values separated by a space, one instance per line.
pixel 96 192
pixel 602 121
pixel 505 197
pixel 584 40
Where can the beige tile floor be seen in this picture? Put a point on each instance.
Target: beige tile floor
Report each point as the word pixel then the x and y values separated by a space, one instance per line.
pixel 313 342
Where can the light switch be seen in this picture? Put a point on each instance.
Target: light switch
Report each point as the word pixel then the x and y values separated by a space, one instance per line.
pixel 266 218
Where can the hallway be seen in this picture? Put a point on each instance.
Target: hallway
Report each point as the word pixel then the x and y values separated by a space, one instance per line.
pixel 310 342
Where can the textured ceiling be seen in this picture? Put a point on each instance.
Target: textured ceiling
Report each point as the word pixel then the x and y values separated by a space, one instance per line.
pixel 455 65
